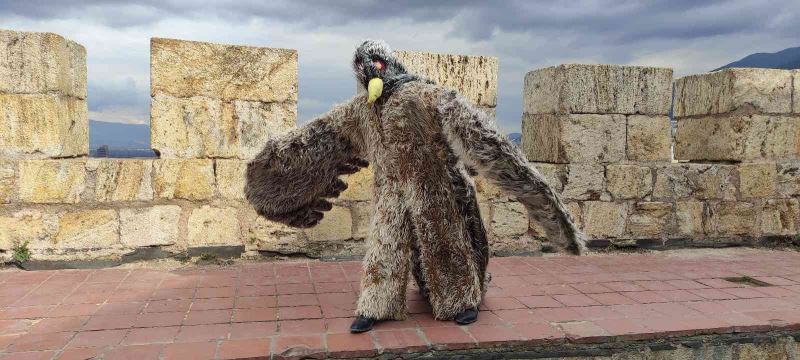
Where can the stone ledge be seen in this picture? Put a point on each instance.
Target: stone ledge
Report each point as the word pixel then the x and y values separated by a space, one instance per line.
pixel 738 137
pixel 764 90
pixel 574 138
pixel 39 126
pixel 474 77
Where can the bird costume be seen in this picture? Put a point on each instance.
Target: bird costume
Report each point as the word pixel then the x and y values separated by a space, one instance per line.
pixel 421 139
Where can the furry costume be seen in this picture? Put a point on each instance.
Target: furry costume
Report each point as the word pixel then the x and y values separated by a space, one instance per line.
pixel 420 138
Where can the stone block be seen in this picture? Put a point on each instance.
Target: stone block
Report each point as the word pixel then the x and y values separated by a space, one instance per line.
pixel 122 180
pixel 604 219
pixel 649 219
pixel 38 126
pixel 554 175
pixel 37 63
pixel 359 185
pixel 796 92
pixel 266 235
pixel 87 229
pixel 8 181
pixel 788 177
pixel 190 179
pixel 779 217
pixel 689 218
pixel 764 90
pixel 209 226
pixel 362 213
pixel 649 138
pixel 509 219
pixel 581 138
pixel 257 122
pixel 738 137
pixel 585 182
pixel 228 72
pixel 757 180
pixel 474 77
pixel 695 181
pixel 51 181
pixel 156 225
pixel 26 225
pixel 230 175
pixel 336 225
pixel 629 181
pixel 598 89
pixel 731 218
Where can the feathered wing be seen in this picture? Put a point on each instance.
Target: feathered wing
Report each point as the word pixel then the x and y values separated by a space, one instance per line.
pixel 290 178
pixel 473 136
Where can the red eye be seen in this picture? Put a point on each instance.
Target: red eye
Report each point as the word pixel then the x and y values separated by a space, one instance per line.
pixel 379 64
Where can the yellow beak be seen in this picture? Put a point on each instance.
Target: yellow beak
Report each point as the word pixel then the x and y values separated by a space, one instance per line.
pixel 374 90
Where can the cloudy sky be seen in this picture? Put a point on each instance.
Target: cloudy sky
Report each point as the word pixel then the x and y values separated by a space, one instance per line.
pixel 688 35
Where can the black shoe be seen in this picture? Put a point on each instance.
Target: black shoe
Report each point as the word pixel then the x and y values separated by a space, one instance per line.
pixel 466 317
pixel 362 324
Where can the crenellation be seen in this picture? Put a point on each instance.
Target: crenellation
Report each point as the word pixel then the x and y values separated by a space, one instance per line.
pixel 761 90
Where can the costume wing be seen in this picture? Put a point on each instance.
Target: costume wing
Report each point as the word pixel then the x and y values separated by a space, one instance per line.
pixel 290 178
pixel 474 138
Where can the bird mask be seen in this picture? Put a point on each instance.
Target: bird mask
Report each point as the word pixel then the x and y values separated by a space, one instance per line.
pixel 373 66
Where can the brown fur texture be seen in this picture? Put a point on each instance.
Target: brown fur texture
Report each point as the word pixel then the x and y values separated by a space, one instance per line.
pixel 420 141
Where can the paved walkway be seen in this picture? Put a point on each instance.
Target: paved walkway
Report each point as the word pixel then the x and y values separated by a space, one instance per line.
pixel 305 308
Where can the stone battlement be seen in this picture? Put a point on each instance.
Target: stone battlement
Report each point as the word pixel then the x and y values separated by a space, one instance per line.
pixel 600 134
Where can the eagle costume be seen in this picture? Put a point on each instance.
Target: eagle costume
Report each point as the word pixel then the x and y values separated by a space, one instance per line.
pixel 421 139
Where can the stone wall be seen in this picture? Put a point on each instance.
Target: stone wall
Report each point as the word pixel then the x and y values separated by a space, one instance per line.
pixel 603 133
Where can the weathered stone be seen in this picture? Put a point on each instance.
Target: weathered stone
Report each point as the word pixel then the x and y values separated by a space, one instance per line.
pixel 604 219
pixel 230 175
pixel 336 225
pixel 87 229
pixel 649 219
pixel 192 127
pixel 32 63
pixel 509 219
pixel 738 137
pixel 122 180
pixel 189 68
pixel 213 226
pixel 788 177
pixel 24 226
pixel 689 218
pixel 779 217
pixel 190 179
pixel 629 181
pixel 582 138
pixel 362 213
pixel 598 89
pixel 257 122
pixel 554 175
pixel 51 181
pixel 796 92
pixel 730 218
pixel 757 180
pixel 43 126
pixel 649 138
pixel 359 185
pixel 766 90
pixel 157 225
pixel 487 190
pixel 585 182
pixel 474 77
pixel 266 235
pixel 695 181
pixel 485 208
pixel 8 181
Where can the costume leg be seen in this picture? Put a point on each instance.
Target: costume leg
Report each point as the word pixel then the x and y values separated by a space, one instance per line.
pixel 416 269
pixel 386 262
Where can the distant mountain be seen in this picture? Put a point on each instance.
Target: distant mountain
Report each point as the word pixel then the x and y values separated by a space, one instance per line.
pixel 784 59
pixel 516 138
pixel 118 136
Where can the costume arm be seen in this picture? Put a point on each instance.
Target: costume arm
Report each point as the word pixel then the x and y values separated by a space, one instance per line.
pixel 290 178
pixel 473 136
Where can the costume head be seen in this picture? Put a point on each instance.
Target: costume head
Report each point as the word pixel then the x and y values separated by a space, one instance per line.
pixel 374 65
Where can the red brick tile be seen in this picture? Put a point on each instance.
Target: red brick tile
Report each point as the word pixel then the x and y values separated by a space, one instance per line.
pixel 6 340
pixel 686 284
pixel 332 287
pixel 80 354
pixel 557 289
pixel 190 350
pixel 107 322
pixel 151 335
pixel 449 338
pixel 623 286
pixel 718 283
pixel 712 294
pixel 584 332
pixel 775 291
pixel 208 317
pixel 536 333
pixel 591 288
pixel 284 289
pixel 299 312
pixel 575 300
pixel 672 326
pixel 301 327
pixel 409 323
pixel 120 308
pixel 338 325
pixel 34 355
pixel 556 314
pixel 160 319
pixel 679 295
pixel 501 303
pixel 244 349
pixel 215 292
pixel 427 320
pixel 400 340
pixel 158 306
pixel 625 329
pixel 514 316
pixel 775 280
pixel 744 293
pixel 298 346
pixel 213 304
pixel 645 297
pixel 597 312
pixel 260 290
pixel 332 311
pixel 134 352
pixel 490 335
pixel 539 302
pixel 259 314
pixel 611 299
pixel 172 294
pixel 297 300
pixel 100 338
pixel 248 302
pixel 350 345
pixel 36 342
pixel 195 333
pixel 253 330
pixel 59 324
pixel 654 285
pixel 74 310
